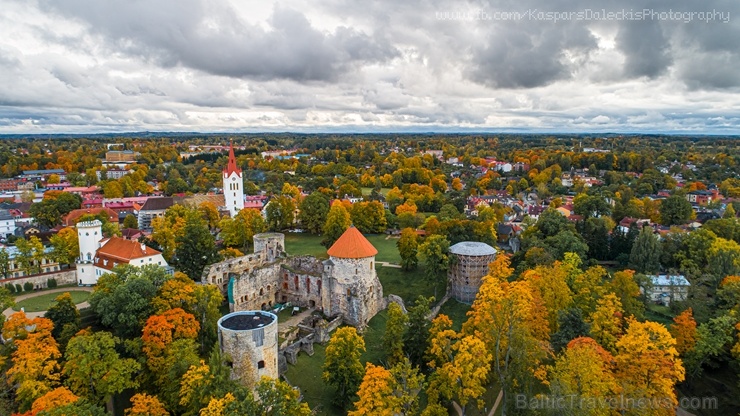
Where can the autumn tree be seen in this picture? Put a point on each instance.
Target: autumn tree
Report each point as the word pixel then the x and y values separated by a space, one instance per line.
pixel 625 287
pixel 271 398
pixel 160 332
pixel 93 356
pixel 647 364
pixel 369 217
pixel 342 367
pixel 683 330
pixel 35 367
pixel 337 222
pixel 168 228
pixel 460 363
pixel 143 404
pixel 130 222
pixel 408 247
pixel 65 246
pixel 583 371
pixel 606 321
pixel 209 211
pixel 238 231
pixel 375 393
pixel 395 332
pixel 552 286
pixel 30 253
pixel 58 397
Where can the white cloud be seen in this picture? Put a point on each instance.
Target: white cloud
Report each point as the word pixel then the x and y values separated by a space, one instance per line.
pixel 206 65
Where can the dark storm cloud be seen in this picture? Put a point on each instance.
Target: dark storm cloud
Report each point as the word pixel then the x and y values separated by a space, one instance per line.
pixel 526 56
pixel 210 37
pixel 646 49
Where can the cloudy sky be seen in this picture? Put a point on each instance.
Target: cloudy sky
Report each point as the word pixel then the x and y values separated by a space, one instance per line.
pixel 388 65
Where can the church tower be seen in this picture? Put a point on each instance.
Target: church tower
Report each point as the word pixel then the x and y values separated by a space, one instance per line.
pixel 233 185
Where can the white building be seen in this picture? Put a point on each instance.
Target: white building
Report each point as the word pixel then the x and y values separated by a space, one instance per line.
pixel 665 289
pixel 7 223
pixel 233 185
pixel 99 255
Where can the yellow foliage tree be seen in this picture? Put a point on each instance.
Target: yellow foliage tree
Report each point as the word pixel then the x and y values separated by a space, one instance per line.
pixel 648 366
pixel 606 321
pixel 376 393
pixel 60 396
pixel 143 404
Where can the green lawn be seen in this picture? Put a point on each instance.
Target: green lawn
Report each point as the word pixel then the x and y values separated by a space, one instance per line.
pixel 43 302
pixel 299 244
pixel 368 191
pixel 307 373
pixel 456 311
pixel 659 313
pixel 407 285
pixel 304 244
pixel 387 249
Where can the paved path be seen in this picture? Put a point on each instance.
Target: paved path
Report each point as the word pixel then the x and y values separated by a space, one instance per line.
pixel 386 264
pixel 32 315
pixel 498 401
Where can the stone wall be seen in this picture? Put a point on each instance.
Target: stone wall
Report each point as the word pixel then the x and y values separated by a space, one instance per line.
pixel 64 277
pixel 355 290
pixel 249 350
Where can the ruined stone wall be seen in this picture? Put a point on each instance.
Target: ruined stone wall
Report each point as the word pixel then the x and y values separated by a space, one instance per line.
pixel 256 290
pixel 218 273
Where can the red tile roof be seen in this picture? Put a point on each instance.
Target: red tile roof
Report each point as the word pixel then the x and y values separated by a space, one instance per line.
pixel 124 251
pixel 231 166
pixel 75 214
pixel 352 245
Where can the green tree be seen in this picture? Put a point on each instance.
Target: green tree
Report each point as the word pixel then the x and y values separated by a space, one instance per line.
pixel 80 407
pixel 280 213
pixel 434 251
pixel 408 247
pixel 416 340
pixel 196 247
pixel 342 367
pixel 571 326
pixel 724 259
pixel 122 299
pixel 208 300
pixel 313 211
pixel 274 398
pixel 713 340
pixel 4 264
pixel 337 222
pixel 61 313
pixel 675 210
pixel 645 254
pixel 628 292
pixel 130 221
pixel 6 301
pixel 395 333
pixel 94 368
pixel 30 253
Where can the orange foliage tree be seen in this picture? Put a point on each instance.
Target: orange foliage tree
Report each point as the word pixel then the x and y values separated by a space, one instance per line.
pixel 684 330
pixel 143 404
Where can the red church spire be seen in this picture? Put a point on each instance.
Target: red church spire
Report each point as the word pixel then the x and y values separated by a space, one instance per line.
pixel 231 166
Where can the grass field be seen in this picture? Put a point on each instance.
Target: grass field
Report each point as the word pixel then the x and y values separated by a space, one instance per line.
pixel 300 244
pixel 43 302
pixel 307 373
pixel 456 311
pixel 407 285
pixel 368 191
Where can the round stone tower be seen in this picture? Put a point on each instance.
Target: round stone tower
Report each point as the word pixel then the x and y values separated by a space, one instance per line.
pixel 250 338
pixel 272 245
pixel 469 264
pixel 354 288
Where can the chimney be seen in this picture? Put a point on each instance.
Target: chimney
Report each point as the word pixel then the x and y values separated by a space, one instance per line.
pixel 143 248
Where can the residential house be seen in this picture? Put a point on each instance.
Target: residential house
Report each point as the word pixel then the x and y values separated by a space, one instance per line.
pixel 153 207
pixel 665 289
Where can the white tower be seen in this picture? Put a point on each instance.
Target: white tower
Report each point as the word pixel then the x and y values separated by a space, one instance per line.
pixel 233 185
pixel 89 234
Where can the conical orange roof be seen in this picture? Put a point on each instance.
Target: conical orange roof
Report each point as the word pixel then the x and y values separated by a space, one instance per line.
pixel 231 166
pixel 352 245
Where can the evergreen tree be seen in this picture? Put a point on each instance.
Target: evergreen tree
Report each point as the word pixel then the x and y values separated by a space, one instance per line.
pixel 645 254
pixel 196 247
pixel 571 326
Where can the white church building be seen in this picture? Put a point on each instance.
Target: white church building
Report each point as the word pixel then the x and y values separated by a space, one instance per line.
pixel 99 255
pixel 233 185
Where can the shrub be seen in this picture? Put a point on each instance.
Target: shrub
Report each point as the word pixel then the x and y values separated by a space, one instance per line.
pixel 28 287
pixel 10 287
pixel 51 283
pixel 18 288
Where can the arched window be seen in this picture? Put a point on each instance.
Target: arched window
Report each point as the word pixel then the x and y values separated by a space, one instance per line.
pixel 295 280
pixel 285 286
pixel 308 285
pixel 262 291
pixel 89 256
pixel 349 293
pixel 318 286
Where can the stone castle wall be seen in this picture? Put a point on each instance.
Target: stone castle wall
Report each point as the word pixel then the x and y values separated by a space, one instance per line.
pixel 40 281
pixel 251 349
